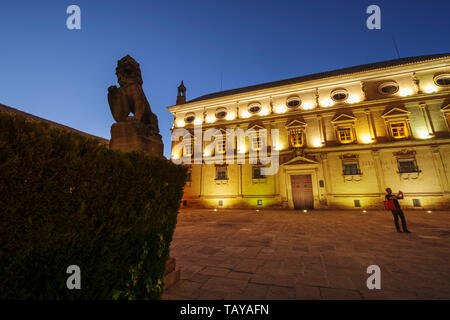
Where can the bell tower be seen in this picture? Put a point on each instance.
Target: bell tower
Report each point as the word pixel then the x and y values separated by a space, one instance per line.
pixel 181 95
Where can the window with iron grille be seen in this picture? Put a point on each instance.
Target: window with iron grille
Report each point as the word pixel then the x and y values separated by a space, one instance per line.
pixel 221 173
pixel 407 165
pixel 257 173
pixel 351 168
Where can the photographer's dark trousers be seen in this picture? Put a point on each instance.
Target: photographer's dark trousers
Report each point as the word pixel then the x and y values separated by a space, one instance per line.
pixel 399 213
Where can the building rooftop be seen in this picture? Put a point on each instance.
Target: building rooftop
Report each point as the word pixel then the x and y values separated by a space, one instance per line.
pixel 322 75
pixel 29 116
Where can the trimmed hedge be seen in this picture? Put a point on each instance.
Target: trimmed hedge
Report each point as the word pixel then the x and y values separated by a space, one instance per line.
pixel 67 200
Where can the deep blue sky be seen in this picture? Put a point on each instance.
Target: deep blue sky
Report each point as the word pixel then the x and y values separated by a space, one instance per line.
pixel 63 75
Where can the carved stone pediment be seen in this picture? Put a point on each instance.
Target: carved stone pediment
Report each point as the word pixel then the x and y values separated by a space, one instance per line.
pixel 343 118
pixel 299 160
pixel 396 113
pixel 349 156
pixel 295 123
pixel 405 153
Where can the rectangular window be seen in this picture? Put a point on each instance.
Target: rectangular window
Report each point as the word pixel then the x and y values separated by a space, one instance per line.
pixel 407 165
pixel 221 173
pixel 416 203
pixel 296 138
pixel 257 173
pixel 351 168
pixel 345 135
pixel 221 144
pixel 187 149
pixel 256 143
pixel 398 130
pixel 357 203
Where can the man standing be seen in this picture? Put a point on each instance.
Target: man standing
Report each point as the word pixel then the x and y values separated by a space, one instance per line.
pixel 398 212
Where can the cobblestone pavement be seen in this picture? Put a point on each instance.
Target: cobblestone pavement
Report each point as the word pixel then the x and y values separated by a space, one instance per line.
pixel 278 254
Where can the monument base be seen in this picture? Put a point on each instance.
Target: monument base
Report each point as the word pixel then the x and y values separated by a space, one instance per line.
pixel 135 135
pixel 171 274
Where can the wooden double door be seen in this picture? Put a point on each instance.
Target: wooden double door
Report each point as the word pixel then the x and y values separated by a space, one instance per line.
pixel 302 192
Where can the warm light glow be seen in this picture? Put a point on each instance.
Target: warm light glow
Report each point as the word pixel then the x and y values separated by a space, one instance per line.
pixel 405 92
pixel 245 114
pixel 430 88
pixel 280 109
pixel 308 105
pixel 175 156
pixel 423 134
pixel 305 211
pixel 364 211
pixel 366 139
pixel 215 210
pixel 210 119
pixel 354 98
pixel 264 112
pixel 317 143
pixel 278 146
pixel 327 103
pixel 180 123
pixel 231 116
pixel 429 211
pixel 198 121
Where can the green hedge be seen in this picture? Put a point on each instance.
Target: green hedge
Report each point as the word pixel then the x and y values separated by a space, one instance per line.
pixel 67 200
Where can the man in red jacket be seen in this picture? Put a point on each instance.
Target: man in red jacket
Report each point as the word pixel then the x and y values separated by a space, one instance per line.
pixel 398 212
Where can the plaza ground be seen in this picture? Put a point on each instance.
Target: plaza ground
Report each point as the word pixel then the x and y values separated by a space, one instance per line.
pixel 281 254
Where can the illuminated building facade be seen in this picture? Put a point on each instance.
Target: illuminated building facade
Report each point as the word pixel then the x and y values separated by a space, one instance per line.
pixel 344 136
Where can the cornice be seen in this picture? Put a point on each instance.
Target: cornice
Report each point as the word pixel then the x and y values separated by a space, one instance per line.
pixel 372 105
pixel 327 82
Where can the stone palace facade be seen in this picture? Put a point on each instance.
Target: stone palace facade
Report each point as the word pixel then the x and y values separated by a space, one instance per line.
pixel 344 136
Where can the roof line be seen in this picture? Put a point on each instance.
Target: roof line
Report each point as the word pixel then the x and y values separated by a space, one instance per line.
pixel 29 116
pixel 322 75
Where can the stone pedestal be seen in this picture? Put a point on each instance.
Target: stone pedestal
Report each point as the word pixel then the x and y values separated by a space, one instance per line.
pixel 135 135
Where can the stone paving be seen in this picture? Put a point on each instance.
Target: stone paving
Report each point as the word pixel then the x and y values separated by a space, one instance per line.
pixel 281 254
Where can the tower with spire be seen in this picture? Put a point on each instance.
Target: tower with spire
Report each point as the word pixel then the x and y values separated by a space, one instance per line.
pixel 181 95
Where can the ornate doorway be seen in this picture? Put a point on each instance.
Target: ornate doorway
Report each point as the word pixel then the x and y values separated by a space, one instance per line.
pixel 302 191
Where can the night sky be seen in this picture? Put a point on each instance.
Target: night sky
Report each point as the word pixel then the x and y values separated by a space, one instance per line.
pixel 63 75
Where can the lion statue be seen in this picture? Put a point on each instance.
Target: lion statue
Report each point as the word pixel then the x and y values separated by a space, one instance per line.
pixel 129 97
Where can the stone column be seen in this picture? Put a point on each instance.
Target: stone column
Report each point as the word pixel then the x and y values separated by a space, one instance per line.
pixel 426 118
pixel 326 174
pixel 321 129
pixel 379 172
pixel 440 169
pixel 370 125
